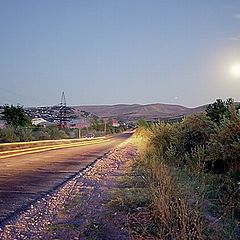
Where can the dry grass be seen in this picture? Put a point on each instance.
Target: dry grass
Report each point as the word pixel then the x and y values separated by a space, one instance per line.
pixel 187 202
pixel 157 209
pixel 176 218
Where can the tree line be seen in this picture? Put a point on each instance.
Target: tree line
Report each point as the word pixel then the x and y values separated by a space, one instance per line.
pixel 19 128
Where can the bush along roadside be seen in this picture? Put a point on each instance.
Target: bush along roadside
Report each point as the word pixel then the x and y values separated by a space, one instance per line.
pixel 192 172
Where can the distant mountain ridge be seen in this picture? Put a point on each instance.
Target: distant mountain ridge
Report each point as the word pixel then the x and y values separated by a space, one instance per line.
pixel 134 112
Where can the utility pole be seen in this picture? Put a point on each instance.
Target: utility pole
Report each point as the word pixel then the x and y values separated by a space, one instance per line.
pixel 105 127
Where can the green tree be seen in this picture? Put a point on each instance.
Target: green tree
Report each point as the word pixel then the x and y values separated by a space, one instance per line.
pixel 97 124
pixel 218 110
pixel 15 116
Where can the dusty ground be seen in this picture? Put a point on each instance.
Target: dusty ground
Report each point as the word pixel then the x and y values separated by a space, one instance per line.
pixel 80 209
pixel 25 178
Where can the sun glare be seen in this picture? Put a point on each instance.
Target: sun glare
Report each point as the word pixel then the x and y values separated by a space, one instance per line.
pixel 235 70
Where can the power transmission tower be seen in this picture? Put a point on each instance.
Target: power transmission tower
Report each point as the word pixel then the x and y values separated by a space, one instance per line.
pixel 63 112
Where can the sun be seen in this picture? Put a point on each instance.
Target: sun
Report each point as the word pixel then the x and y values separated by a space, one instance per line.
pixel 235 70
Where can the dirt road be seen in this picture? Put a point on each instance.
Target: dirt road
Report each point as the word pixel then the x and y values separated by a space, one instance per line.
pixel 80 208
pixel 26 178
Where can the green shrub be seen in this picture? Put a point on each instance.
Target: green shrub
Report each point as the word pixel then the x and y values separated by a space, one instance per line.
pixel 8 135
pixel 41 135
pixel 207 156
pixel 196 159
pixel 56 133
pixel 224 147
pixel 162 136
pixel 11 134
pixel 24 134
pixel 193 131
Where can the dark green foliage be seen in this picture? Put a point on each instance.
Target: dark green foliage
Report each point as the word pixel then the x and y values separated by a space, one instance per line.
pixel 218 110
pixel 7 135
pixel 15 116
pixel 11 134
pixel 224 147
pixel 97 124
pixel 56 133
pixel 194 131
pixel 24 134
pixel 41 134
pixel 163 137
pixel 203 153
pixel 198 142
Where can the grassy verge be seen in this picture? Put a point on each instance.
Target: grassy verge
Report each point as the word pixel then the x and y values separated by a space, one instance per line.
pixel 165 201
pixel 132 198
pixel 217 201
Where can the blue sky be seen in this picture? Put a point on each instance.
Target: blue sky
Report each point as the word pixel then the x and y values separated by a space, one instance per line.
pixel 128 51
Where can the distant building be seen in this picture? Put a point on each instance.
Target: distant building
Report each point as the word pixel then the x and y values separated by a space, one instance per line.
pixel 41 122
pixel 115 123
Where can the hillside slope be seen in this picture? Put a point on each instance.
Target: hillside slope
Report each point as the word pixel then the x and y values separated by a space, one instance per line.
pixel 133 112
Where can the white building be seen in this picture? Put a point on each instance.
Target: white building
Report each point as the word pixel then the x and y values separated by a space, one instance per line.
pixel 40 122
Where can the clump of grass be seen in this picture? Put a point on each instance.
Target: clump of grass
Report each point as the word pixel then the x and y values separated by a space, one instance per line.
pixel 177 219
pixel 94 231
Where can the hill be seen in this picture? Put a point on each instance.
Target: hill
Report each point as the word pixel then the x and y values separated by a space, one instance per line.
pixel 133 112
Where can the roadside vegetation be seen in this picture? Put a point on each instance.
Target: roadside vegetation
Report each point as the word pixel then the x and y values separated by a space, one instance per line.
pixel 19 128
pixel 99 127
pixel 31 133
pixel 192 174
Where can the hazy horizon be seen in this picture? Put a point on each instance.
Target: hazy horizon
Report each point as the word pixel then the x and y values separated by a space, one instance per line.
pixel 114 52
pixel 120 103
pixel 115 104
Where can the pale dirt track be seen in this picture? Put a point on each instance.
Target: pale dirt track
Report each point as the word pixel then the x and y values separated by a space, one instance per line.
pixel 26 178
pixel 78 209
